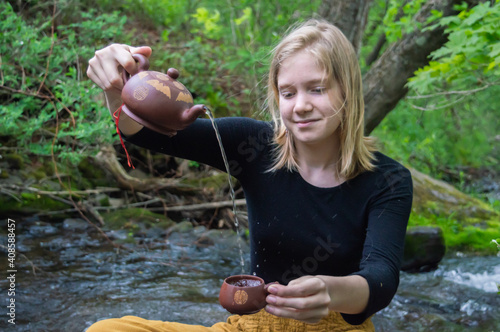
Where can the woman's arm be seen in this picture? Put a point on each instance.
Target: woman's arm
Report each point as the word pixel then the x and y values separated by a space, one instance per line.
pixel 310 298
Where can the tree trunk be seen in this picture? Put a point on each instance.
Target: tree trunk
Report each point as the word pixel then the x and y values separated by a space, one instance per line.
pixel 348 16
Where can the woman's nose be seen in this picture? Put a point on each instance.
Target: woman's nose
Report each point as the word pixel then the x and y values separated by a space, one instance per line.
pixel 302 103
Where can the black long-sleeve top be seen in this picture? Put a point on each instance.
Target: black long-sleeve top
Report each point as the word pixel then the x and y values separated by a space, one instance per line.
pixel 296 229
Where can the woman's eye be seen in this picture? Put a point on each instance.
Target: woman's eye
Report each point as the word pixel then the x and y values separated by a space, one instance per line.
pixel 286 94
pixel 318 90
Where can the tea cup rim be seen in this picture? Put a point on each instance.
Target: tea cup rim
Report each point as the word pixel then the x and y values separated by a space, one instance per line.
pixel 245 276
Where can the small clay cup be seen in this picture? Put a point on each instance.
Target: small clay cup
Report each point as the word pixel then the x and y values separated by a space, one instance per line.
pixel 158 101
pixel 243 294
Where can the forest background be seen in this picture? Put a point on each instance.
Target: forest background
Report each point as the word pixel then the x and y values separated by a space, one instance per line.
pixel 61 156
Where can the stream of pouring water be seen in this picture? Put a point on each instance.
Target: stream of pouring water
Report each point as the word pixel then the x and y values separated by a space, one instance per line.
pixel 231 187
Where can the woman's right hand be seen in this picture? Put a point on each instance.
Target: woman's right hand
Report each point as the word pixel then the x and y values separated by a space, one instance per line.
pixel 105 68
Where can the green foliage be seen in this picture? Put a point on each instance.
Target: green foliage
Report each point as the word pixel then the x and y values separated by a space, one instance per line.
pixel 210 23
pixel 471 57
pixel 170 13
pixel 399 18
pixel 436 141
pixel 50 106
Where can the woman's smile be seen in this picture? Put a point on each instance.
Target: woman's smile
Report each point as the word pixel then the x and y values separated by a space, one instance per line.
pixel 305 123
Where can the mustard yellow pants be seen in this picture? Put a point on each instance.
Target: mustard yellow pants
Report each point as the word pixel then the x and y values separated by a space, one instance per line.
pixel 259 322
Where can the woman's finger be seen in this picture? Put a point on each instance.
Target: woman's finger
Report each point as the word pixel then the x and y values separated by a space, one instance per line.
pixel 301 287
pixel 318 300
pixel 109 63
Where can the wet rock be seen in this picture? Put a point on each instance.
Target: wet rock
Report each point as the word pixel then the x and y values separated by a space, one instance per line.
pixel 75 224
pixel 211 237
pixel 42 229
pixel 14 161
pixel 199 230
pixel 182 227
pixel 204 241
pixel 25 244
pixel 424 249
pixel 13 179
pixel 50 185
pixel 154 233
pixel 116 202
pixel 121 234
pixel 57 243
pixel 102 200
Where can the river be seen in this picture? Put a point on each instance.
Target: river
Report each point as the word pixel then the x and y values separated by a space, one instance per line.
pixel 68 277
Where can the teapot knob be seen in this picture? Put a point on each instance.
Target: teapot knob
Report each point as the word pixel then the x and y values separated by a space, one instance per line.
pixel 173 73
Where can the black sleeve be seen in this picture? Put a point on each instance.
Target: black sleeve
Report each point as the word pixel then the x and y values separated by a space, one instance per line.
pixel 389 211
pixel 198 142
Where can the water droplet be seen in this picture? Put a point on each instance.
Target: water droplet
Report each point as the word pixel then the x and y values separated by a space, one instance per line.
pixel 254 273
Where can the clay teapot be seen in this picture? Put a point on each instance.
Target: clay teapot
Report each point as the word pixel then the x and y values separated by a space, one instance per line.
pixel 158 101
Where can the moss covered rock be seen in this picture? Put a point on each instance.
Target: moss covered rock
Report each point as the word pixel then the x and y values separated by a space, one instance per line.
pixel 436 197
pixel 14 161
pixel 135 219
pixel 468 224
pixel 214 183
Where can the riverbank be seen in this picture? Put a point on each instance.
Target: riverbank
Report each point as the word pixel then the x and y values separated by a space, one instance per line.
pixel 68 278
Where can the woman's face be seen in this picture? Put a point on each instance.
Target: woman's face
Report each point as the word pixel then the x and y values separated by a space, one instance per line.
pixel 309 102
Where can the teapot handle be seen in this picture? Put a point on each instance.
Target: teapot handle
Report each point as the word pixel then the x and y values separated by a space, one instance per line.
pixel 143 66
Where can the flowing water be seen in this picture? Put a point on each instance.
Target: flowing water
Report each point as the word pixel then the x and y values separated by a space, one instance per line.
pixel 177 277
pixel 231 186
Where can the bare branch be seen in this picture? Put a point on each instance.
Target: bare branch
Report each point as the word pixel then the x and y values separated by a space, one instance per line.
pixel 433 108
pixel 459 92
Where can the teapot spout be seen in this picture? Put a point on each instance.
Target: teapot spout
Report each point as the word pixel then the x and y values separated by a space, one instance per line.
pixel 190 115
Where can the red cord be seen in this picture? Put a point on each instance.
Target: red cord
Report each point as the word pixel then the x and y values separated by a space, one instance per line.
pixel 117 120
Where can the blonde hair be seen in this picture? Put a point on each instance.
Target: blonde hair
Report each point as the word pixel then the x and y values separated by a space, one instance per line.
pixel 335 54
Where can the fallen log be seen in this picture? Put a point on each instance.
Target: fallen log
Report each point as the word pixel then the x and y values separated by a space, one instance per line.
pixel 106 158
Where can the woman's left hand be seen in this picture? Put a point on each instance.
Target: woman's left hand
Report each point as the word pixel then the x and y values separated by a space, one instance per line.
pixel 306 299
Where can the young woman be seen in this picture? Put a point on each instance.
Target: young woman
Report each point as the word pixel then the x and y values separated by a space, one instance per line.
pixel 327 213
